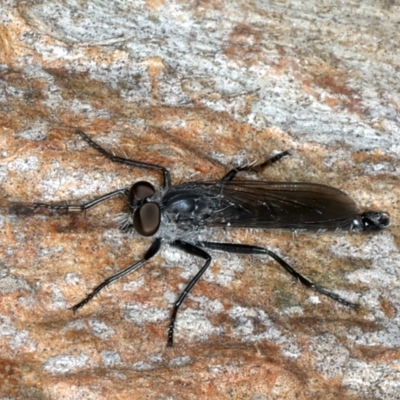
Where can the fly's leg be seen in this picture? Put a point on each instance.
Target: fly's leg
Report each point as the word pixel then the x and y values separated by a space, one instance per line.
pixel 232 173
pixel 80 207
pixel 150 253
pixel 248 249
pixel 196 251
pixel 128 161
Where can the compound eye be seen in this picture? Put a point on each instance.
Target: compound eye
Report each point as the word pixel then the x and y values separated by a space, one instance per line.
pixel 140 190
pixel 147 219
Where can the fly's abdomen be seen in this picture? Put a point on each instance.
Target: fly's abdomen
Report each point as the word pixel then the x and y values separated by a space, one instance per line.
pixel 255 204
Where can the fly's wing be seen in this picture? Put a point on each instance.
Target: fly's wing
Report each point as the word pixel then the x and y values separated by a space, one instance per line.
pixel 256 204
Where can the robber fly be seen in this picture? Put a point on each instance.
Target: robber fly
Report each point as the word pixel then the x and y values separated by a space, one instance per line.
pixel 178 214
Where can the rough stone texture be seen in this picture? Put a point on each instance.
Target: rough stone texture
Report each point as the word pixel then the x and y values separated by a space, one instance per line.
pixel 196 87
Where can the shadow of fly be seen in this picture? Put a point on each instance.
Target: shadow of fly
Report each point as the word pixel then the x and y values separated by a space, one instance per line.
pixel 178 214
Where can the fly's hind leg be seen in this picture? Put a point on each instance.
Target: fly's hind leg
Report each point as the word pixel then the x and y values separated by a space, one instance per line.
pixel 248 249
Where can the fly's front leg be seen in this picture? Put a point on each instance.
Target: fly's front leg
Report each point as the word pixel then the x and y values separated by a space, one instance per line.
pixel 128 161
pixel 247 249
pixel 80 207
pixel 196 251
pixel 255 168
pixel 150 253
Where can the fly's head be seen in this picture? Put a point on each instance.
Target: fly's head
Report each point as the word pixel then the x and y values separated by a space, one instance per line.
pixel 146 214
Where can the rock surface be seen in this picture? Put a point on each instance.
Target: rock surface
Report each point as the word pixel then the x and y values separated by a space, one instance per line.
pixel 197 87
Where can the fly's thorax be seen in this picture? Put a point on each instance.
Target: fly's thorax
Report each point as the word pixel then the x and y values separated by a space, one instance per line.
pixel 171 230
pixel 185 211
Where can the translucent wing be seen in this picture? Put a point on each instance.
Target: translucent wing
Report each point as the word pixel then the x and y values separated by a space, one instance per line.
pixel 280 205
